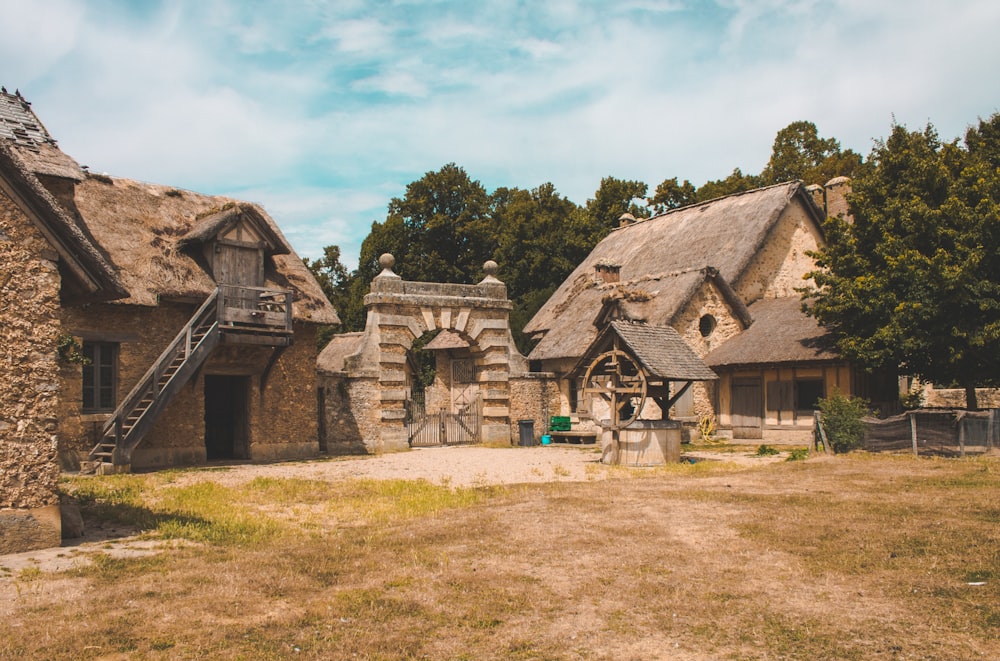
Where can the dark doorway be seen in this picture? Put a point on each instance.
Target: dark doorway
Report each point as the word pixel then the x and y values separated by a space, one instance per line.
pixel 226 413
pixel 746 407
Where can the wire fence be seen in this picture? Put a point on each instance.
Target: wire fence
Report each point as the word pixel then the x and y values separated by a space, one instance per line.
pixel 952 433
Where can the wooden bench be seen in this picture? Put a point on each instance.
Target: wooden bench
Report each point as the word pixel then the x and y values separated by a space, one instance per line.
pixel 585 437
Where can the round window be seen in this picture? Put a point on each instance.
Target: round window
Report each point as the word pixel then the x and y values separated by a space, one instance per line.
pixel 706 325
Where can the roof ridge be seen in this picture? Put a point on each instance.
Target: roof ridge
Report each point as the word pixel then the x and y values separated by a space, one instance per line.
pixel 687 207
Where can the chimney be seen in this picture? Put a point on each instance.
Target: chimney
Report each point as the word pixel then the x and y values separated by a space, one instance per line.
pixel 837 190
pixel 606 273
pixel 625 219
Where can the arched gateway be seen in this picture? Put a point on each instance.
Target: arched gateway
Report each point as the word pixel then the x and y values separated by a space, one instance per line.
pixel 366 379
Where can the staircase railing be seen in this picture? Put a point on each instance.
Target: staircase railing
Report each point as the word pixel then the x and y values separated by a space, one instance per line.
pixel 128 423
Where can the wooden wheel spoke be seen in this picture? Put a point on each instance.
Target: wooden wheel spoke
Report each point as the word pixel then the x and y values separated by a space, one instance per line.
pixel 618 380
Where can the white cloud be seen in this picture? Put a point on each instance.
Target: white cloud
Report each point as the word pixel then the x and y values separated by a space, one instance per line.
pixel 276 104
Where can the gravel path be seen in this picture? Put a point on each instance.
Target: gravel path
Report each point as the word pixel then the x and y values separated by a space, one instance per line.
pixel 454 466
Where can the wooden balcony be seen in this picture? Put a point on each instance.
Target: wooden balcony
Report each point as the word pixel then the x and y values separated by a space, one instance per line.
pixel 255 315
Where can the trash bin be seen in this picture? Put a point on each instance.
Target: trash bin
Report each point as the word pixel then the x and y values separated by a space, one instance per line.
pixel 526 429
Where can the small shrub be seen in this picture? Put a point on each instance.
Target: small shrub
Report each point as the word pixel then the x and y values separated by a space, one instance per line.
pixel 766 451
pixel 841 417
pixel 798 454
pixel 913 399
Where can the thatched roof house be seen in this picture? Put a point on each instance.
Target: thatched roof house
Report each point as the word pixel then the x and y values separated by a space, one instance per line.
pixel 707 271
pixel 192 319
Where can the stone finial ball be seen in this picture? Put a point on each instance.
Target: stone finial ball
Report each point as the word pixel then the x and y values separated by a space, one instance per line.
pixel 387 261
pixel 490 268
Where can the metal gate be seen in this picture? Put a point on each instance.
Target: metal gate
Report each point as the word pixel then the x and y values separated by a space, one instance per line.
pixel 442 428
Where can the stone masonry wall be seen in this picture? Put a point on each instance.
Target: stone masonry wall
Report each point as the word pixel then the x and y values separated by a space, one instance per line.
pixel 778 268
pixel 284 419
pixel 351 415
pixel 141 333
pixel 708 301
pixel 536 397
pixel 29 385
pixel 282 422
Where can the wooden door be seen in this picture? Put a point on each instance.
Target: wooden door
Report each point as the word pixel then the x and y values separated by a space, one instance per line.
pixel 748 404
pixel 239 265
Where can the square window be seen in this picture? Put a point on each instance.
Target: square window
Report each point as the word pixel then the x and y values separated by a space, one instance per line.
pixel 807 393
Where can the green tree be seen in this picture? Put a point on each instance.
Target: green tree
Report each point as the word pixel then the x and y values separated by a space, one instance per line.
pixel 914 280
pixel 335 281
pixel 446 225
pixel 799 153
pixel 541 237
pixel 672 195
pixel 736 182
pixel 613 198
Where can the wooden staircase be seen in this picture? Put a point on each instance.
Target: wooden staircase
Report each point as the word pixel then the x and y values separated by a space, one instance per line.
pixel 136 414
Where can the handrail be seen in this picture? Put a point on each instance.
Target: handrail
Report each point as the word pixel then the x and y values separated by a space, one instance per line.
pixel 149 383
pixel 255 306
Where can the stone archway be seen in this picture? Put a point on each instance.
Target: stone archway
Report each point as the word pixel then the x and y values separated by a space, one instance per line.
pixel 399 312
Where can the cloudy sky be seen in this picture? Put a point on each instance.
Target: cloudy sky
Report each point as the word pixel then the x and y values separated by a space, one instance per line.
pixel 323 111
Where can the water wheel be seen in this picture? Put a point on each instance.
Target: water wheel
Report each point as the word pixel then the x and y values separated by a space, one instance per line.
pixel 619 380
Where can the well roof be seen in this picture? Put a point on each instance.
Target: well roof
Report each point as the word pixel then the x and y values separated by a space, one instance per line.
pixel 668 256
pixel 781 333
pixel 660 350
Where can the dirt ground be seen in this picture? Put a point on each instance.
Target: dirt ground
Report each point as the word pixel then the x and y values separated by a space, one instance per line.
pixel 457 466
pixel 739 557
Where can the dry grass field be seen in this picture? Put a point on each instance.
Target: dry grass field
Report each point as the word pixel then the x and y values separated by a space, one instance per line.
pixel 848 557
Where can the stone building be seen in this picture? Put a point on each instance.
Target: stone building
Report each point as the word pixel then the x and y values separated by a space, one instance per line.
pixel 367 382
pixel 44 257
pixel 717 272
pixel 196 338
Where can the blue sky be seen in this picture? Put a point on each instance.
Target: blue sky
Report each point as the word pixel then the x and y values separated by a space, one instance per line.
pixel 323 111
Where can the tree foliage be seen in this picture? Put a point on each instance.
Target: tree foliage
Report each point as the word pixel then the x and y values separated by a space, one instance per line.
pixel 799 153
pixel 447 225
pixel 914 280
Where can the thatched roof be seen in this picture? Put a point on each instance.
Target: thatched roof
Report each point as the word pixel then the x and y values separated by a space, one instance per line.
pixel 655 300
pixel 207 228
pixel 27 136
pixel 144 229
pixel 331 358
pixel 669 257
pixel 660 350
pixel 85 270
pixel 780 333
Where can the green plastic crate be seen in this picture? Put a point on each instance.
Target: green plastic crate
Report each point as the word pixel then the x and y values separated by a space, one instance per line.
pixel 559 423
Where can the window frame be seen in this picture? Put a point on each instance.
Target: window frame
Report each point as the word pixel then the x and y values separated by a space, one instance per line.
pixel 102 389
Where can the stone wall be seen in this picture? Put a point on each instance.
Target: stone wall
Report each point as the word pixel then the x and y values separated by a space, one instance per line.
pixel 535 397
pixel 282 417
pixel 29 385
pixel 351 415
pixel 777 269
pixel 141 333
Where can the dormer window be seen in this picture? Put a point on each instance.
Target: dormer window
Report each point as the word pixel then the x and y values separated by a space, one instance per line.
pixel 234 242
pixel 238 257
